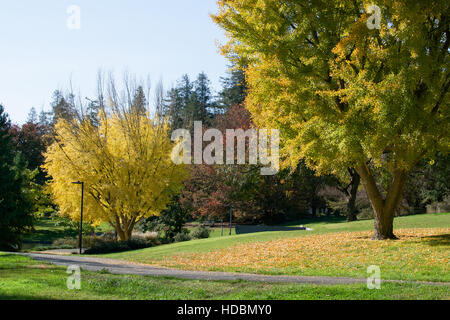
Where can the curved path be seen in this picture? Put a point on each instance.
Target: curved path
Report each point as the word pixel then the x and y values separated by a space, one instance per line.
pixel 124 267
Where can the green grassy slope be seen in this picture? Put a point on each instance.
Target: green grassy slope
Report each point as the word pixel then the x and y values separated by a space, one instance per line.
pixel 23 278
pixel 322 226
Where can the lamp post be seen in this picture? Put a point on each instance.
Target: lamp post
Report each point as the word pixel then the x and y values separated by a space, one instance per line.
pixel 81 221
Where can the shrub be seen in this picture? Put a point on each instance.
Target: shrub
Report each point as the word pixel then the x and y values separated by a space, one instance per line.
pixel 168 223
pixel 107 243
pixel 201 233
pixel 148 236
pixel 66 243
pixel 111 246
pixel 107 246
pixel 47 247
pixel 182 236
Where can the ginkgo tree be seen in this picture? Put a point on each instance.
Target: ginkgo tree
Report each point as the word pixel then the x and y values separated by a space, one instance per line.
pixel 348 88
pixel 124 162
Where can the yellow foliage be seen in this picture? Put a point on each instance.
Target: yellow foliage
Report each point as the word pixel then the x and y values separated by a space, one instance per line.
pixel 124 163
pixel 320 75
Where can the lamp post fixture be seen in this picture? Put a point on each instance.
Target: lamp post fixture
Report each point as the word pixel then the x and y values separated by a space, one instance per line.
pixel 81 221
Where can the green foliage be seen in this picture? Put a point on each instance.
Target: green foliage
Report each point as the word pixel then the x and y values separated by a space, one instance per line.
pixel 15 191
pixel 30 140
pixel 62 107
pixel 139 105
pixel 202 104
pixel 189 101
pixel 431 178
pixel 72 227
pixel 73 242
pixel 48 229
pixel 234 89
pixel 201 232
pixel 343 95
pixel 43 205
pixel 100 246
pixel 105 243
pixel 182 236
pixel 169 223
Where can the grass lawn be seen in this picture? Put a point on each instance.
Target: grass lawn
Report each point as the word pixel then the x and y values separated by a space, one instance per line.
pixel 24 278
pixel 217 232
pixel 48 230
pixel 333 248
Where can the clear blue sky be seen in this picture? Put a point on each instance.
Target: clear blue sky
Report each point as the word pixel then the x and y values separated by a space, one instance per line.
pixel 160 38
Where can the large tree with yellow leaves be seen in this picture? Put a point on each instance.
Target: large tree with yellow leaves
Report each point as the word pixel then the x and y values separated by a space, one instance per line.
pixel 345 93
pixel 125 164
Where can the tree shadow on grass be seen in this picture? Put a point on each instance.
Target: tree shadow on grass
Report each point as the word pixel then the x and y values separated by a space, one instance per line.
pixel 437 240
pixel 315 220
pixel 4 296
pixel 47 236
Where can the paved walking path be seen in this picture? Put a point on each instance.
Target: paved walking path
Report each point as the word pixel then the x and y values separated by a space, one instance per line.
pixel 124 267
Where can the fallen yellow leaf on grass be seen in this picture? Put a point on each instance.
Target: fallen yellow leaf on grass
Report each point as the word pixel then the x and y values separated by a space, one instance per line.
pixel 347 253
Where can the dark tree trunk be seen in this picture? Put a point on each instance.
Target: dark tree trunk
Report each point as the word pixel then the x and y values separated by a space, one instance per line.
pixel 351 207
pixel 384 226
pixel 384 209
pixel 313 210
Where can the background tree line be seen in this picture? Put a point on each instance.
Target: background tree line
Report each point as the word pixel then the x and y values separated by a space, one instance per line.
pixel 209 190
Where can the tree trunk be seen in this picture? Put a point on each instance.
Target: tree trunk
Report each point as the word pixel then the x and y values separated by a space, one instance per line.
pixel 129 234
pixel 313 210
pixel 120 233
pixel 124 227
pixel 123 233
pixel 351 208
pixel 384 209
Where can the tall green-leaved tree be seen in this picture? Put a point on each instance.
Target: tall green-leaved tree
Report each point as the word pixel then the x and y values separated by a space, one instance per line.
pixel 16 199
pixel 345 93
